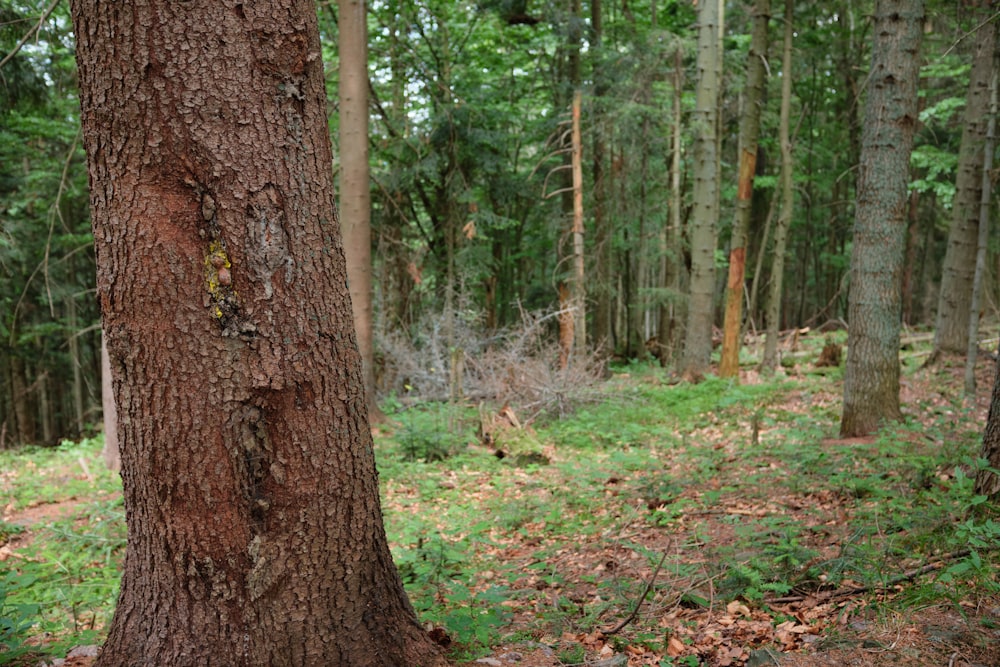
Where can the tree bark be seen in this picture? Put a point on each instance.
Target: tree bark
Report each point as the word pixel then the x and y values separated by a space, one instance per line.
pixel 871 379
pixel 982 241
pixel 355 196
pixel 672 237
pixel 579 287
pixel 254 526
pixel 951 331
pixel 729 365
pixel 601 289
pixel 701 305
pixel 769 362
pixel 987 481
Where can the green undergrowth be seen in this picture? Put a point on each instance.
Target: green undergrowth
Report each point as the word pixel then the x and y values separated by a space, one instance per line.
pixel 59 582
pixel 737 492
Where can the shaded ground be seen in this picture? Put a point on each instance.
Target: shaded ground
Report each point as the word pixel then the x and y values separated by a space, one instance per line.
pixel 641 584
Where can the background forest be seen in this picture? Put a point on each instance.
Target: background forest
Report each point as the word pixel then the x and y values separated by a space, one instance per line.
pixel 469 108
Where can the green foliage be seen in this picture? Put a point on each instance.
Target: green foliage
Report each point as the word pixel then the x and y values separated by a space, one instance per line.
pixel 66 581
pixel 16 619
pixel 434 432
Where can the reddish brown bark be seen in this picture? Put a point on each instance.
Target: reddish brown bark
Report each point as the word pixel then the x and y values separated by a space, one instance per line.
pixel 255 534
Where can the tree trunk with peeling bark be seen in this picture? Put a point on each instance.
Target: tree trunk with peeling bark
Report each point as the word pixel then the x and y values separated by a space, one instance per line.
pixel 254 527
pixel 729 364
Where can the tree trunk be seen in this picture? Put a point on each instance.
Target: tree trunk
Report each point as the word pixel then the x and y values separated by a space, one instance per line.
pixel 701 306
pixel 24 418
pixel 983 237
pixel 579 287
pixel 672 238
pixel 729 365
pixel 871 379
pixel 355 196
pixel 602 249
pixel 988 482
pixel 952 328
pixel 769 362
pixel 251 497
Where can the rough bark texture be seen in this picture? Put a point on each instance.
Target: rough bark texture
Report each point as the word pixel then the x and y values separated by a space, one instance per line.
pixel 951 333
pixel 729 364
pixel 251 497
pixel 705 211
pixel 871 379
pixel 987 482
pixel 355 196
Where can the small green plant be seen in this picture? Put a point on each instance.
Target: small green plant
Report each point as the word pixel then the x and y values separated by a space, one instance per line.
pixel 16 618
pixel 433 432
pixel 475 619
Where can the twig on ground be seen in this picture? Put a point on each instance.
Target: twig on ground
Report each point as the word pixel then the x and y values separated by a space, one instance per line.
pixel 642 598
pixel 856 590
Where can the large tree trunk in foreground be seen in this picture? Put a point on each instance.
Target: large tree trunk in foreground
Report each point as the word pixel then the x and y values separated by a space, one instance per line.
pixel 251 498
pixel 871 377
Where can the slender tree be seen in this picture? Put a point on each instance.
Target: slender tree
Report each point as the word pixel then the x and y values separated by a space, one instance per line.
pixel 951 331
pixel 705 214
pixel 985 202
pixel 729 364
pixel 251 497
pixel 871 379
pixel 770 360
pixel 355 196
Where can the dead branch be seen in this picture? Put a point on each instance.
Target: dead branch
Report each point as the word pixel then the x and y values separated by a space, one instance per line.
pixel 642 598
pixel 857 590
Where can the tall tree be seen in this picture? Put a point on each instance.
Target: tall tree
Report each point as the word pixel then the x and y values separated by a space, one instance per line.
pixel 705 213
pixel 254 527
pixel 729 364
pixel 355 195
pixel 985 204
pixel 770 359
pixel 871 379
pixel 952 327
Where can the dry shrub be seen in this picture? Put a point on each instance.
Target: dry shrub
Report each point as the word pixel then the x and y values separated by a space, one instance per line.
pixel 518 367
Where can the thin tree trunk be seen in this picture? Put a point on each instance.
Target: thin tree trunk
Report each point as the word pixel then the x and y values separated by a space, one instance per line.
pixel 355 196
pixel 871 378
pixel 729 365
pixel 672 247
pixel 769 362
pixel 602 248
pixel 986 196
pixel 579 288
pixel 251 496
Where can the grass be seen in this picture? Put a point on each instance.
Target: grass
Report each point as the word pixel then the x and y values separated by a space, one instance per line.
pixel 743 487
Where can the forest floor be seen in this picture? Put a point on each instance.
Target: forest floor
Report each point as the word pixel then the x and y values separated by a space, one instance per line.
pixel 659 524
